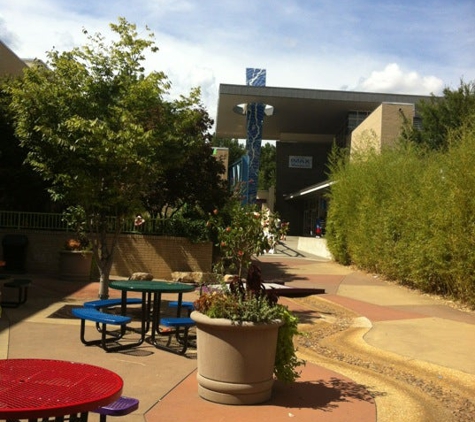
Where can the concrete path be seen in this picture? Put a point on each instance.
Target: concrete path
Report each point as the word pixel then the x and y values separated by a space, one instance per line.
pixel 396 320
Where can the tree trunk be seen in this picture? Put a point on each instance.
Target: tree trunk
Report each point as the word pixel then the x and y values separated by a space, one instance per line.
pixel 103 246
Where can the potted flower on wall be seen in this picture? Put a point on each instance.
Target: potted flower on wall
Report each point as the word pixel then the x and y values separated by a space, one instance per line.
pixel 244 337
pixel 75 259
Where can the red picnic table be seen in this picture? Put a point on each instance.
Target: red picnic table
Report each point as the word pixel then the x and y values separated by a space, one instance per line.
pixel 40 388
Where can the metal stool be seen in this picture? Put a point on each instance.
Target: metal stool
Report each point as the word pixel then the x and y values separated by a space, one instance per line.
pixel 21 284
pixel 121 407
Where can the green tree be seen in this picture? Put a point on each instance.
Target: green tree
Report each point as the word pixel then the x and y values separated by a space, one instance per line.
pixel 195 186
pixel 21 189
pixel 236 150
pixel 440 115
pixel 98 129
pixel 267 167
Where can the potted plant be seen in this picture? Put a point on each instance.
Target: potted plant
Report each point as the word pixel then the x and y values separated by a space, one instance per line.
pixel 75 259
pixel 244 337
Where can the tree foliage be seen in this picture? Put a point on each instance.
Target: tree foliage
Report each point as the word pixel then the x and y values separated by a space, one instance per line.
pixel 441 115
pixel 407 213
pixel 267 167
pixel 195 187
pixel 236 150
pixel 21 189
pixel 97 128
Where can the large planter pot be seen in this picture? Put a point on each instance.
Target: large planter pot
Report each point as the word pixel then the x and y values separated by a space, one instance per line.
pixel 75 265
pixel 235 361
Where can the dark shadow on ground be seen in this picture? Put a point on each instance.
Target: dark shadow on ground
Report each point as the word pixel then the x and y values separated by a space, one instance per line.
pixel 275 272
pixel 44 291
pixel 319 394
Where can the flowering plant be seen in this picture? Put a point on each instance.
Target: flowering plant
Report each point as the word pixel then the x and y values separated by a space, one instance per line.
pixel 251 302
pixel 77 244
pixel 75 219
pixel 242 232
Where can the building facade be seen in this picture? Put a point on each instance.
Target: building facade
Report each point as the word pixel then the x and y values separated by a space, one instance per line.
pixel 305 124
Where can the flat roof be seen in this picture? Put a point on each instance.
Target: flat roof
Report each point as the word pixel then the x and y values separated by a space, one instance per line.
pixel 299 114
pixel 307 190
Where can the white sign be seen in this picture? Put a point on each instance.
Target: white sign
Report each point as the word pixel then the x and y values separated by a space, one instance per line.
pixel 300 162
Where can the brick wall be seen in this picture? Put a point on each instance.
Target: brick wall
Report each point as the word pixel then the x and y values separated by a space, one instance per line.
pixel 159 255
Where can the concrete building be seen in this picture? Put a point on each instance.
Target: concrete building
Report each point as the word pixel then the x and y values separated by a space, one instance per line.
pixel 305 123
pixel 11 64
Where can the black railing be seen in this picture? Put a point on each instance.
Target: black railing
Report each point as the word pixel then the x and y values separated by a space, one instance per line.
pixel 192 229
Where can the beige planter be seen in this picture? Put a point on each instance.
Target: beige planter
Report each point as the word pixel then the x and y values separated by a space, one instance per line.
pixel 75 265
pixel 235 362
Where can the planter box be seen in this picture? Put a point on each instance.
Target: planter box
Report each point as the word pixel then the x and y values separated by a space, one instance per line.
pixel 75 265
pixel 235 361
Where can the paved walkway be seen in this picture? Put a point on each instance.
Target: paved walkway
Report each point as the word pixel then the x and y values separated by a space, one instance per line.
pixel 396 320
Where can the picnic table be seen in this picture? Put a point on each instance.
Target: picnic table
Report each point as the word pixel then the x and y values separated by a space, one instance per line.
pixel 41 388
pixel 151 304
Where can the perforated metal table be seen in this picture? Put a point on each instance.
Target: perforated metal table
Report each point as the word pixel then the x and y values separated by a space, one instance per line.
pixel 40 388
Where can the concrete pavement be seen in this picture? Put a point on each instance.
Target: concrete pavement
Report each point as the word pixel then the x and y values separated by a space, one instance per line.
pixel 411 325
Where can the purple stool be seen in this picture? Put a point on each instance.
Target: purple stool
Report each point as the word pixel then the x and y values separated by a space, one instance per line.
pixel 122 406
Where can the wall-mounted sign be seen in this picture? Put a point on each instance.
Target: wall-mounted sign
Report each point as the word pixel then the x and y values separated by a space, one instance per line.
pixel 300 162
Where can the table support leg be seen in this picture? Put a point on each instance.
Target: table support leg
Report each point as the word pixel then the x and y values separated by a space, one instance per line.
pixel 157 299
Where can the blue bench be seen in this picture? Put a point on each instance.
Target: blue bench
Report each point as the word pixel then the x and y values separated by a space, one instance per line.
pixel 22 285
pixel 189 306
pixel 176 323
pixel 108 303
pixel 95 315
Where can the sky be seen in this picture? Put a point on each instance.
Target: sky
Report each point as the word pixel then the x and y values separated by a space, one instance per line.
pixel 411 47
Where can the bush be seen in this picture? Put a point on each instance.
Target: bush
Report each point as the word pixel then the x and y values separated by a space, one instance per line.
pixel 408 214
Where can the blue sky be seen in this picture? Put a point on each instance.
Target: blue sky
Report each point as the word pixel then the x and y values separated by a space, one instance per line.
pixel 416 46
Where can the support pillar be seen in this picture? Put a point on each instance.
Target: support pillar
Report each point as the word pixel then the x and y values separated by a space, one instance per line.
pixel 254 123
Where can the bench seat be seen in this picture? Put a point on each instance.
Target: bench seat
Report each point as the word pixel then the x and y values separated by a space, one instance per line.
pixel 95 315
pixel 108 303
pixel 181 327
pixel 177 322
pixel 22 285
pixel 189 306
pixel 121 407
pixel 103 318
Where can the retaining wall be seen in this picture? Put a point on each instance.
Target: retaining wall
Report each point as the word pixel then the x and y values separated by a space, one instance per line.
pixel 315 246
pixel 158 255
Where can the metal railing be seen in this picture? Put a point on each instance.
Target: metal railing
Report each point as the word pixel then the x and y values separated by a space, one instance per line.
pixel 49 221
pixel 18 220
pixel 33 220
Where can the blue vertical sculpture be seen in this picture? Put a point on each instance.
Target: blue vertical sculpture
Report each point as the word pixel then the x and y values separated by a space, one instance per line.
pixel 254 122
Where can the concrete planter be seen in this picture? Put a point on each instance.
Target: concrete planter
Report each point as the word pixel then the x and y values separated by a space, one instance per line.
pixel 235 362
pixel 75 265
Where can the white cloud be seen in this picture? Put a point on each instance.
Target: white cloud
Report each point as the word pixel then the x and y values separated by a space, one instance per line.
pixel 314 45
pixel 393 79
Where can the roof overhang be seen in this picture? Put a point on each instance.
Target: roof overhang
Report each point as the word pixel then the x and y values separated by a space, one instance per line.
pixel 308 190
pixel 299 115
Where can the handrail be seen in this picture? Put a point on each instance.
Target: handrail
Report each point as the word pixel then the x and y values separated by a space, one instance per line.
pixel 20 220
pixel 47 221
pixel 33 220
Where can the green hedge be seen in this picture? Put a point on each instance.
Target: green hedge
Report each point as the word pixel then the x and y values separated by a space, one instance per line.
pixel 409 215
